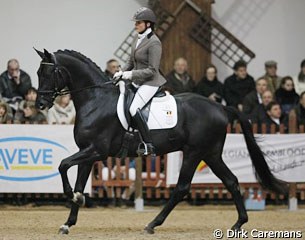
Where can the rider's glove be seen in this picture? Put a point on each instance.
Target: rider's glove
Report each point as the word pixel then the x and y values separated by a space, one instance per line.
pixel 117 75
pixel 127 75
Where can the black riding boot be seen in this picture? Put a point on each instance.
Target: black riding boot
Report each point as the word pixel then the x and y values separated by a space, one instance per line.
pixel 146 147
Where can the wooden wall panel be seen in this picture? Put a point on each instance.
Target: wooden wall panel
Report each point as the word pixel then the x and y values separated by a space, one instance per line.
pixel 177 42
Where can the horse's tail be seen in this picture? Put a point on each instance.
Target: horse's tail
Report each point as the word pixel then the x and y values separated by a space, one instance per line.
pixel 262 171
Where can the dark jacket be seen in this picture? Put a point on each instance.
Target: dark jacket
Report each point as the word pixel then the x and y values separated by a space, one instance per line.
pixel 8 87
pixel 206 88
pixel 236 89
pixel 287 99
pixel 300 113
pixel 250 102
pixel 259 115
pixel 175 85
pixel 36 119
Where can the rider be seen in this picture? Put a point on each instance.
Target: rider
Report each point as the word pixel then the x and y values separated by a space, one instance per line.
pixel 142 69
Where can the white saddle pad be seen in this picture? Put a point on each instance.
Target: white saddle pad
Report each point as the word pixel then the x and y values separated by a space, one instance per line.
pixel 162 115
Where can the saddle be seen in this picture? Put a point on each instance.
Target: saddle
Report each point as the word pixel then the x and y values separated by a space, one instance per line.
pixel 130 92
pixel 160 112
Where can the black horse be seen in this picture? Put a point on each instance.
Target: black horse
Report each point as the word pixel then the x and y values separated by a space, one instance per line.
pixel 200 133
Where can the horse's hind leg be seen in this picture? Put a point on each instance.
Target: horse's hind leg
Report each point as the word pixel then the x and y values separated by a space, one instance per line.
pixel 221 170
pixel 82 177
pixel 182 188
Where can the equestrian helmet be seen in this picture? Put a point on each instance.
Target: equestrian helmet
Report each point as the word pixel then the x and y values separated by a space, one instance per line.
pixel 145 14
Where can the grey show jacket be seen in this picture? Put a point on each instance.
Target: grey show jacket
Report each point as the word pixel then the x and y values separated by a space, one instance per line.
pixel 145 61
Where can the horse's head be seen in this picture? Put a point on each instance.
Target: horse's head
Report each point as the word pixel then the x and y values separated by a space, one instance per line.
pixel 50 79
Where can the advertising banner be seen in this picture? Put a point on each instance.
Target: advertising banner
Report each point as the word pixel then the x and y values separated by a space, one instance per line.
pixel 285 155
pixel 30 156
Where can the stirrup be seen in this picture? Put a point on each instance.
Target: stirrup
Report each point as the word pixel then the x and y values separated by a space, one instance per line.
pixel 145 149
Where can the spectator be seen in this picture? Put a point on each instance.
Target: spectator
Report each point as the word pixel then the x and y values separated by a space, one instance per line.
pixel 31 114
pixel 271 76
pixel 209 86
pixel 112 66
pixel 254 98
pixel 274 113
pixel 178 80
pixel 31 95
pixel 5 116
pixel 259 114
pixel 299 110
pixel 299 81
pixel 238 85
pixel 63 111
pixel 286 95
pixel 14 82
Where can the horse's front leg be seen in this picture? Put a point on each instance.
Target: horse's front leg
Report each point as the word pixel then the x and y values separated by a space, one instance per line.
pixel 86 155
pixel 83 173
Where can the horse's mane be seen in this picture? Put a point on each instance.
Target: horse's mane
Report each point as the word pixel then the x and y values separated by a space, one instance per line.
pixel 82 58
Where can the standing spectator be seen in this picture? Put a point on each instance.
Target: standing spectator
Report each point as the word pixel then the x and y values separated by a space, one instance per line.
pixel 254 98
pixel 286 95
pixel 299 81
pixel 112 66
pixel 14 82
pixel 5 116
pixel 178 80
pixel 271 75
pixel 259 114
pixel 31 114
pixel 299 110
pixel 209 86
pixel 238 85
pixel 63 111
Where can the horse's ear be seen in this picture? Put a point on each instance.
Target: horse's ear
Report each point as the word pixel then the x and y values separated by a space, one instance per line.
pixel 41 54
pixel 47 54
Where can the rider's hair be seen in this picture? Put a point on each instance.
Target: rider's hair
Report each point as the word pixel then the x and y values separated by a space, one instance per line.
pixel 152 25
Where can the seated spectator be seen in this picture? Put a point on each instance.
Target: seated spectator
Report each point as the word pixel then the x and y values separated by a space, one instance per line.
pixel 238 85
pixel 209 86
pixel 178 80
pixel 63 111
pixel 5 116
pixel 286 95
pixel 31 95
pixel 14 82
pixel 31 114
pixel 275 117
pixel 271 76
pixel 299 81
pixel 259 114
pixel 254 98
pixel 299 110
pixel 112 66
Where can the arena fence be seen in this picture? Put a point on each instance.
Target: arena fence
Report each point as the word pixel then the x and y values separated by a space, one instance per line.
pixel 154 182
pixel 115 177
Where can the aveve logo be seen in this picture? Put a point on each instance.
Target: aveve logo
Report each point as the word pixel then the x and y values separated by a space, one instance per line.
pixel 29 158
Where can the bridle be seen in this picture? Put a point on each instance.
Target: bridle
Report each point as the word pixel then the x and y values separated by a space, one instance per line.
pixel 57 74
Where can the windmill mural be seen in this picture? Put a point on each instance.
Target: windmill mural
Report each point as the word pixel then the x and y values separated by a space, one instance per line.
pixel 198 36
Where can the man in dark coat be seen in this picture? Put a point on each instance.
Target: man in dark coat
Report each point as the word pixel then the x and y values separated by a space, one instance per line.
pixel 112 66
pixel 178 80
pixel 14 82
pixel 254 98
pixel 238 85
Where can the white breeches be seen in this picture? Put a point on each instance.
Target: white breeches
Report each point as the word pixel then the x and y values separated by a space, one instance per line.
pixel 143 95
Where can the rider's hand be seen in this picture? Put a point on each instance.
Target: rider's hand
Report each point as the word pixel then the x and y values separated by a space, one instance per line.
pixel 127 75
pixel 117 75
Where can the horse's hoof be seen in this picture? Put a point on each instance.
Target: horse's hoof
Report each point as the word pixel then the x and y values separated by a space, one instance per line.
pixel 149 230
pixel 64 229
pixel 79 199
